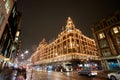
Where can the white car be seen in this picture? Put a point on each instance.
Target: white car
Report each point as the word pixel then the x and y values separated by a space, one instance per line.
pixel 114 75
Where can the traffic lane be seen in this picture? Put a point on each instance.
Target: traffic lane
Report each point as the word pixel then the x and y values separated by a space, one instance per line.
pixel 84 77
pixel 40 75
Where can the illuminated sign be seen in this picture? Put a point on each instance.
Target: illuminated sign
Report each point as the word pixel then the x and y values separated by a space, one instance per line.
pixel 7 6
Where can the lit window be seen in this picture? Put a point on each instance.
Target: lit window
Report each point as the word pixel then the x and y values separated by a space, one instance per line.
pixel 71 45
pixel 101 35
pixel 16 39
pixel 64 46
pixel 7 6
pixel 115 30
pixel 69 30
pixel 18 33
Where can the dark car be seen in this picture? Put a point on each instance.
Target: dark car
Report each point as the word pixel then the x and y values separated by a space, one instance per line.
pixel 87 72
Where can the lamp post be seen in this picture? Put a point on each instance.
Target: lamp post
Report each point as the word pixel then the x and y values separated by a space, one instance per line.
pixel 24 54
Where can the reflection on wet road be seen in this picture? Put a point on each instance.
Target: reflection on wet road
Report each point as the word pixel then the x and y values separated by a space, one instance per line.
pixel 49 75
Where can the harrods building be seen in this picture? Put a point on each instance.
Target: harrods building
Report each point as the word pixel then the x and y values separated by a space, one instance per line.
pixel 70 44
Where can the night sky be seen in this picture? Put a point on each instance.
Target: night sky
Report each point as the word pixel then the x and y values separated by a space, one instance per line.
pixel 45 18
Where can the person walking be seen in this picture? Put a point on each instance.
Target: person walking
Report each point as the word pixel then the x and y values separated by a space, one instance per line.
pixel 31 73
pixel 20 77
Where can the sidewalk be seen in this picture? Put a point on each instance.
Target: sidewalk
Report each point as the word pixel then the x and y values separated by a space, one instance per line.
pixel 29 75
pixel 6 74
pixel 11 74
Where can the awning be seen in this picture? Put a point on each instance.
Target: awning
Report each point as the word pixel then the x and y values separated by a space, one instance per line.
pixel 4 58
pixel 112 57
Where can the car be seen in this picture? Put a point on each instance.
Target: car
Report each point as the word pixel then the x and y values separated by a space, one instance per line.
pixel 38 69
pixel 67 66
pixel 87 72
pixel 114 75
pixel 14 75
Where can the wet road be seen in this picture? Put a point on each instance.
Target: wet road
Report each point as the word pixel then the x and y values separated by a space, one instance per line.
pixel 48 75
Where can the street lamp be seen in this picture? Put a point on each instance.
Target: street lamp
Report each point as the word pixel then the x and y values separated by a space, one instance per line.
pixel 24 54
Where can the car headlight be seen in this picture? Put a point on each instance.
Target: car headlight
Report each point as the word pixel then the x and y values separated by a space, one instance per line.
pixel 94 73
pixel 108 75
pixel 67 69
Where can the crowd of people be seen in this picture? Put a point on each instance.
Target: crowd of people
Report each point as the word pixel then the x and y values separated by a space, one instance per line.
pixel 19 74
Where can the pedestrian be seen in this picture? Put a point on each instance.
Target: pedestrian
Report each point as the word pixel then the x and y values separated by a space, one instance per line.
pixel 31 73
pixel 20 77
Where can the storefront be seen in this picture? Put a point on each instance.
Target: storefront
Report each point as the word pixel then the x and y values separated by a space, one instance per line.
pixel 3 62
pixel 113 64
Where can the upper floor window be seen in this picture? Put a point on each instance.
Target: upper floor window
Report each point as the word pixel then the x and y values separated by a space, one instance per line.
pixel 70 30
pixel 0 6
pixel 98 26
pixel 70 35
pixel 115 30
pixel 118 40
pixel 101 35
pixel 14 12
pixel 112 21
pixel 106 52
pixel 103 43
pixel 119 28
pixel 64 37
pixel 2 18
pixel 77 35
pixel 7 6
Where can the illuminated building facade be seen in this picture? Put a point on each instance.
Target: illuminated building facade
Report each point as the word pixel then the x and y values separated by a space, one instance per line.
pixel 107 36
pixel 9 31
pixel 70 44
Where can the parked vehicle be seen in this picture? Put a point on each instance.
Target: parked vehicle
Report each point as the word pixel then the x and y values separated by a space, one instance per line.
pixel 63 67
pixel 114 75
pixel 67 66
pixel 87 72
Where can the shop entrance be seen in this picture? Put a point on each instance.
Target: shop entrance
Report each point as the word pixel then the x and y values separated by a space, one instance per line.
pixel 113 64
